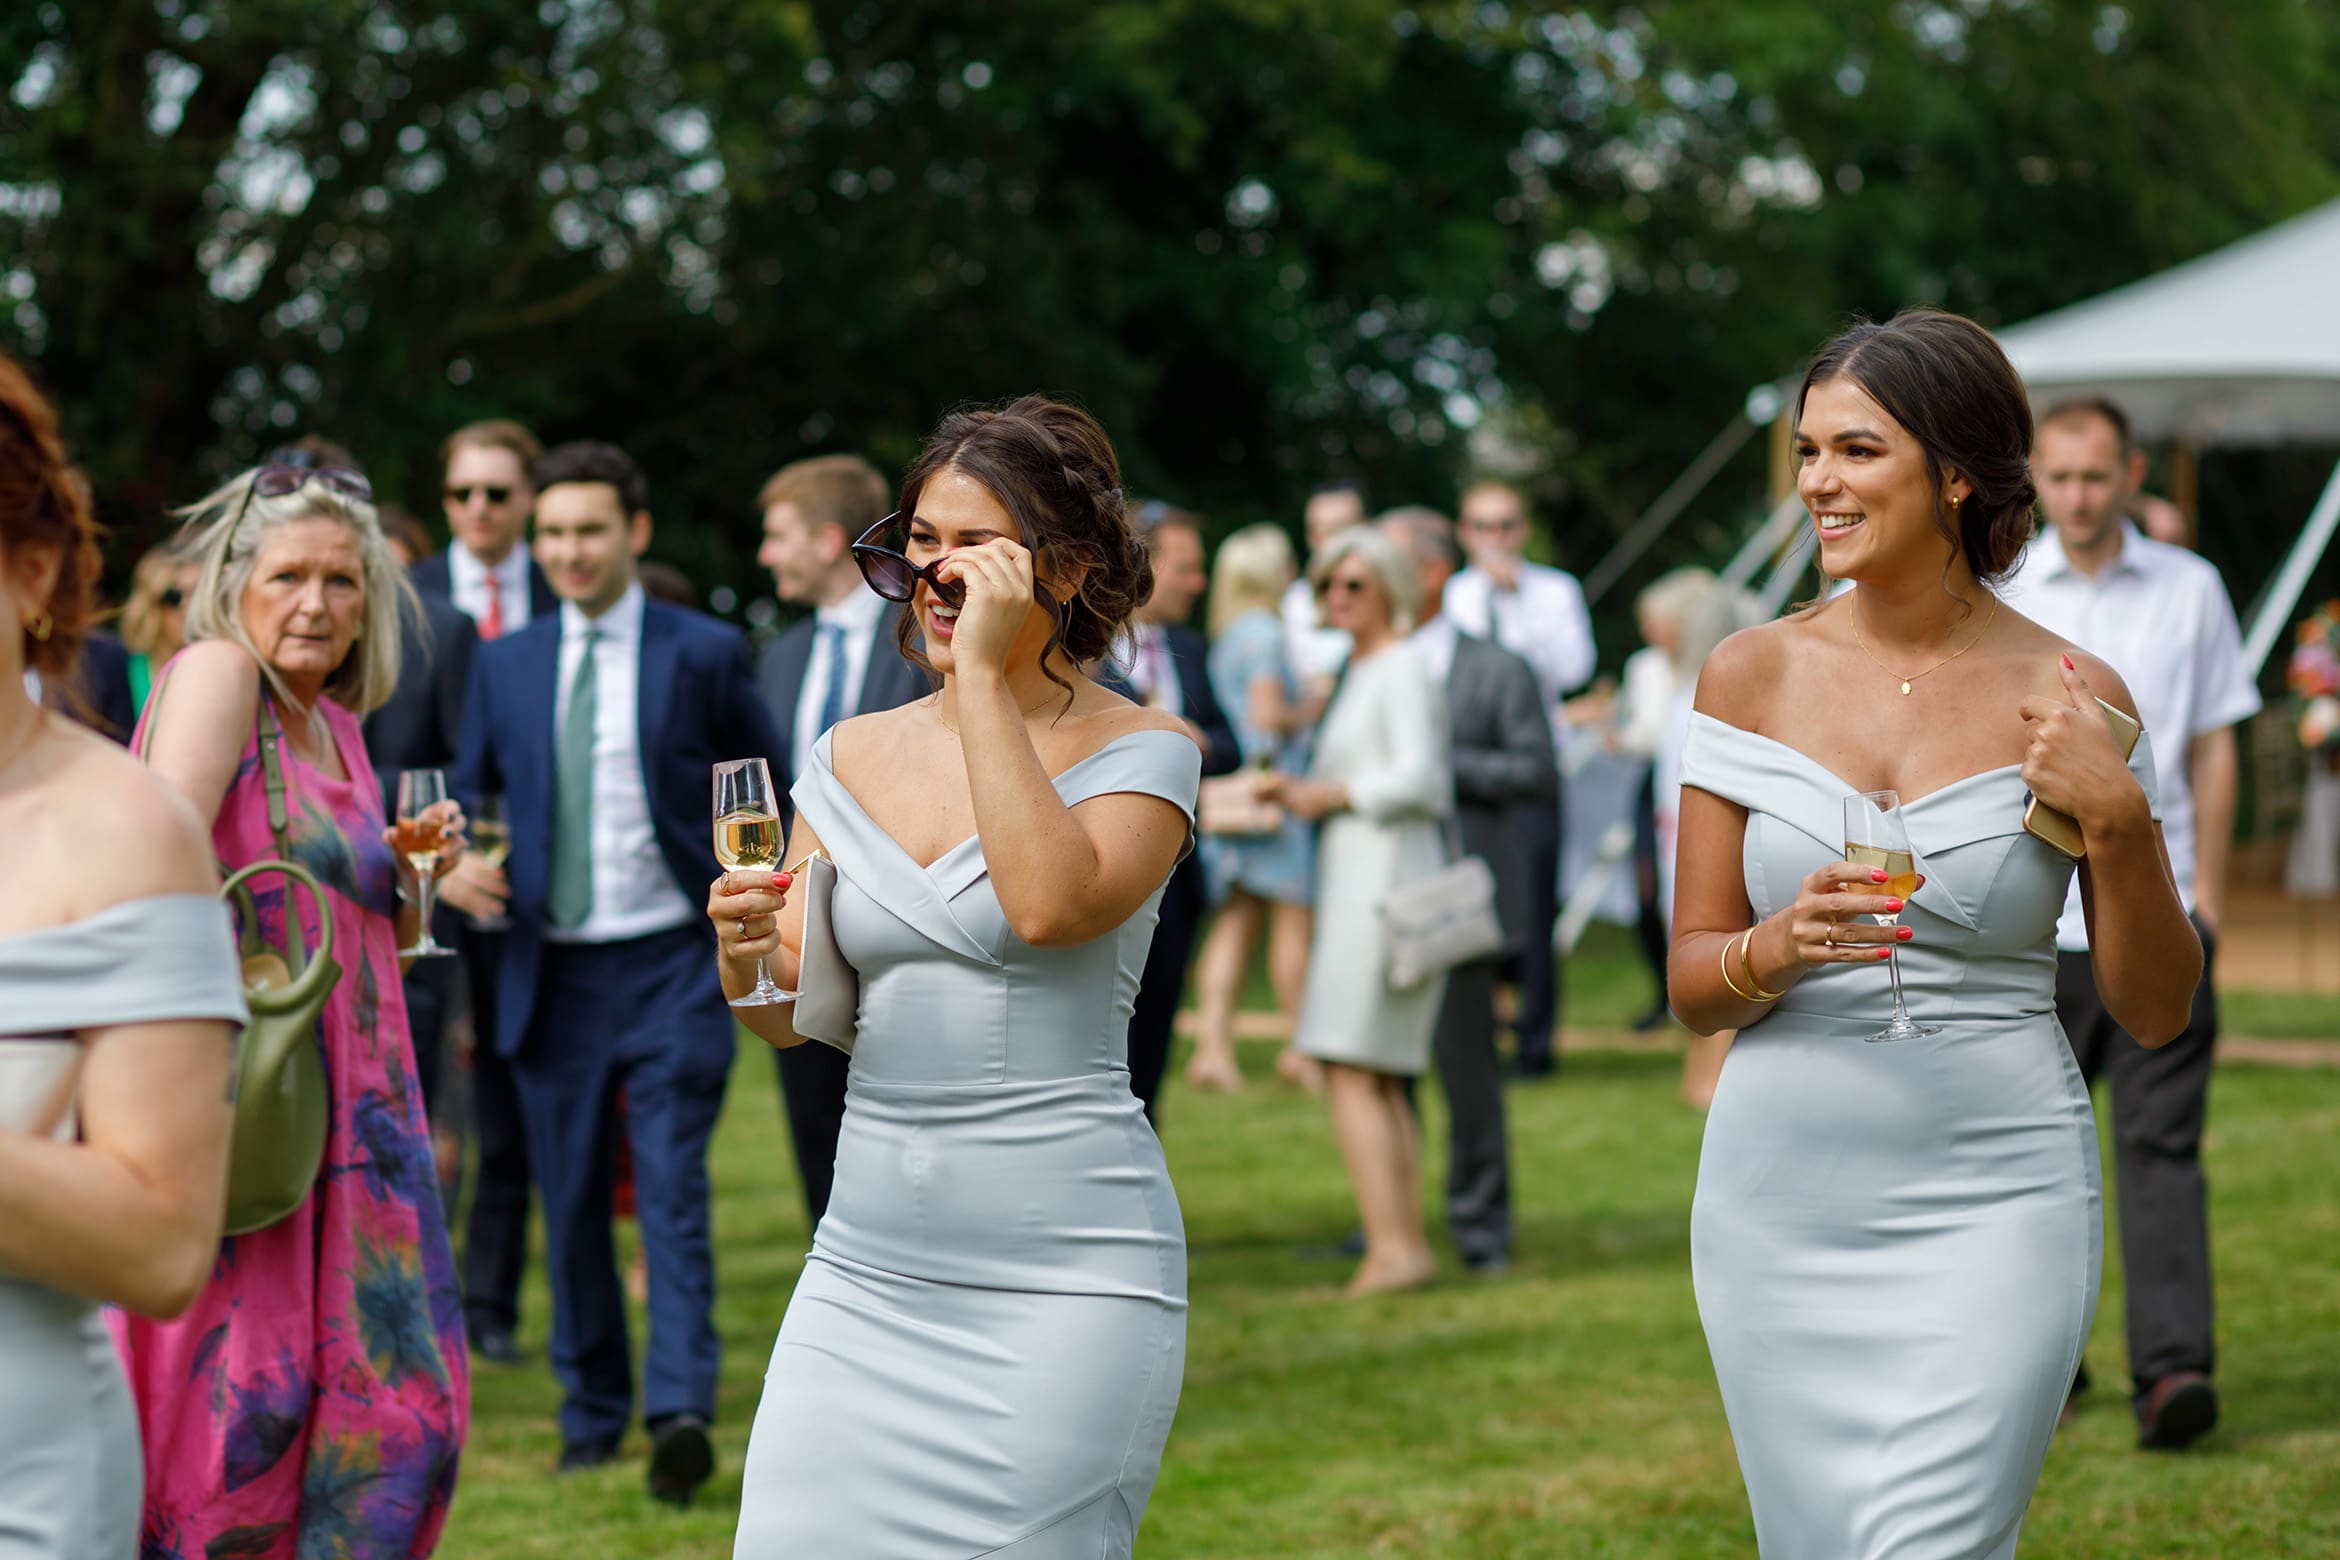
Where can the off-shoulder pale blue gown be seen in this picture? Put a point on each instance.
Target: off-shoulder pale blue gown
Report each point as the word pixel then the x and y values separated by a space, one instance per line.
pixel 1896 1247
pixel 984 1352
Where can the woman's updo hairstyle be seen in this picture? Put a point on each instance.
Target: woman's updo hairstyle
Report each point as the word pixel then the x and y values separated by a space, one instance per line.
pixel 1051 467
pixel 44 502
pixel 1943 378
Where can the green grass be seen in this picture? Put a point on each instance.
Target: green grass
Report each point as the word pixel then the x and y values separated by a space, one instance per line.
pixel 1564 1410
pixel 2280 1015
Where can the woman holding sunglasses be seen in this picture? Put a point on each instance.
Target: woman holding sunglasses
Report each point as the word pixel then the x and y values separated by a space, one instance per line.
pixel 984 1352
pixel 315 1395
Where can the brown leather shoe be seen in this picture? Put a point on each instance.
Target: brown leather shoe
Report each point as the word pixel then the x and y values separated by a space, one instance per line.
pixel 2178 1410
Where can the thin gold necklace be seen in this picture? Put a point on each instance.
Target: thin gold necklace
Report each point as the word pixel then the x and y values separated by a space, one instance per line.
pixel 1937 666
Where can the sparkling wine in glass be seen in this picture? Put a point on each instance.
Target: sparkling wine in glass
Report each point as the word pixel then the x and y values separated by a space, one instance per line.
pixel 1875 835
pixel 747 834
pixel 490 834
pixel 420 840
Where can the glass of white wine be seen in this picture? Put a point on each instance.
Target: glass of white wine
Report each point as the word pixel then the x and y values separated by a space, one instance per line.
pixel 490 834
pixel 1875 835
pixel 747 834
pixel 419 839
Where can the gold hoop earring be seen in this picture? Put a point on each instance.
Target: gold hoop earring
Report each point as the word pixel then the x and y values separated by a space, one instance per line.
pixel 39 626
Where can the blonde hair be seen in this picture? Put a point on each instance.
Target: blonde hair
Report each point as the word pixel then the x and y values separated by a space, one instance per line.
pixel 140 622
pixel 1254 568
pixel 228 525
pixel 1392 569
pixel 1674 595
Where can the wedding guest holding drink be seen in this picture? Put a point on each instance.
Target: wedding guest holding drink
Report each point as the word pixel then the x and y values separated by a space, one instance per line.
pixel 985 1349
pixel 599 724
pixel 1168 668
pixel 1898 1230
pixel 319 1387
pixel 118 996
pixel 1262 861
pixel 1379 788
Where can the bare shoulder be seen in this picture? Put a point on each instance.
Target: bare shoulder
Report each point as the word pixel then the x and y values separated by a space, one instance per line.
pixel 2040 647
pixel 218 678
pixel 134 833
pixel 1114 718
pixel 1737 679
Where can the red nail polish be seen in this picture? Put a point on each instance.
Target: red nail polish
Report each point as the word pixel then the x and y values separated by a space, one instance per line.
pixel 2067 660
pixel 1903 934
pixel 1884 953
pixel 1877 875
pixel 1893 906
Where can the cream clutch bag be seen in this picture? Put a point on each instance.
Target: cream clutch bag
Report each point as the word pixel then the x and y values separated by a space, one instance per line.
pixel 828 989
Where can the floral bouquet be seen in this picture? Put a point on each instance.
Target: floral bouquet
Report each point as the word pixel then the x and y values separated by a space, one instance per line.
pixel 2315 679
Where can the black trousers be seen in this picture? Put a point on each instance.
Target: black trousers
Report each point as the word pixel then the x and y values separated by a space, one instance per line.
pixel 2159 1100
pixel 495 1242
pixel 1163 986
pixel 1478 1160
pixel 812 1094
pixel 1538 1019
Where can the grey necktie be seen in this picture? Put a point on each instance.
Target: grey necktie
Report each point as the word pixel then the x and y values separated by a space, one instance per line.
pixel 570 895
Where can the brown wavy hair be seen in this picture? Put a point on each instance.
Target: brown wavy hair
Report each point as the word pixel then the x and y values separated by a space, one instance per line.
pixel 44 502
pixel 1051 467
pixel 1944 378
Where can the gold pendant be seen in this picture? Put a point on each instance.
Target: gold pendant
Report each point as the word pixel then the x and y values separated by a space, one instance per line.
pixel 1905 688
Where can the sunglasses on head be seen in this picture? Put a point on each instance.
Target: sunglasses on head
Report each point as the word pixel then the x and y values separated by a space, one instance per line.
pixel 279 478
pixel 894 576
pixel 488 490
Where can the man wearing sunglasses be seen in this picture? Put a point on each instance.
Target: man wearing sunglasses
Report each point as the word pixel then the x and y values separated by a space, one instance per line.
pixel 486 494
pixel 840 659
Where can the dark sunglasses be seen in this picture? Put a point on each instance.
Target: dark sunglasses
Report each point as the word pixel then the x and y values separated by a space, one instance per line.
pixel 278 478
pixel 895 577
pixel 1346 587
pixel 493 494
pixel 174 597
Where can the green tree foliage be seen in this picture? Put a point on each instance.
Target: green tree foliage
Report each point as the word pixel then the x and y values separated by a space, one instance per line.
pixel 1268 241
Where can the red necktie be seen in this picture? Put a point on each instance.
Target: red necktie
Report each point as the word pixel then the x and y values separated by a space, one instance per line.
pixel 491 622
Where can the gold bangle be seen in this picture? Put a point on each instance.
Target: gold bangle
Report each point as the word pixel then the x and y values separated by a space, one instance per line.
pixel 1726 973
pixel 1747 968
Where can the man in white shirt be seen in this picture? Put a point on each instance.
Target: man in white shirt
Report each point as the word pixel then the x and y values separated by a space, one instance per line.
pixel 840 659
pixel 599 724
pixel 1317 653
pixel 2161 617
pixel 487 491
pixel 1538 613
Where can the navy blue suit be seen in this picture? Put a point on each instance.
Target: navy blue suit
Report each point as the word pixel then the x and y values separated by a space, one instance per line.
pixel 812 1077
pixel 580 1021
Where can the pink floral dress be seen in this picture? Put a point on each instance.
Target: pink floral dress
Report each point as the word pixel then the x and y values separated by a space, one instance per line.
pixel 312 1403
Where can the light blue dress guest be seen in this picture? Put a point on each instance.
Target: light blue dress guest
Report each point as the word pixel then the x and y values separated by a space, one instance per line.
pixel 1896 1247
pixel 984 1353
pixel 1279 866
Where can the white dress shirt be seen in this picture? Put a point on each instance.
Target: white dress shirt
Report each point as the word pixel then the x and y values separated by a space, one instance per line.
pixel 2158 615
pixel 1313 650
pixel 1145 658
pixel 861 615
pixel 1544 622
pixel 1436 641
pixel 634 893
pixel 470 583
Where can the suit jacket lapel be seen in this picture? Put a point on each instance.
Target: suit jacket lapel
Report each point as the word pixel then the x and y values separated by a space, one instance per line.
pixel 791 655
pixel 654 690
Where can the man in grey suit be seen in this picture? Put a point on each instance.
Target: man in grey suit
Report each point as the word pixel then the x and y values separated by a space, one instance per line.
pixel 840 659
pixel 1503 761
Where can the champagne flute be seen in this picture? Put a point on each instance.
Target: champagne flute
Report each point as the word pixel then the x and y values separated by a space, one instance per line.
pixel 491 840
pixel 1876 835
pixel 418 839
pixel 747 834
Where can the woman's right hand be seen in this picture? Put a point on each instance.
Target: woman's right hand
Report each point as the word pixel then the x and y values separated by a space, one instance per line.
pixel 1821 924
pixel 744 904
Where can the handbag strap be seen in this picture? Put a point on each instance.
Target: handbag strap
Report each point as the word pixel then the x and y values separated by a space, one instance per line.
pixel 270 735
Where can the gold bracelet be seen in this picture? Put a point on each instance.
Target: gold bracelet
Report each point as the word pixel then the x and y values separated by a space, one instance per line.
pixel 1746 942
pixel 1726 973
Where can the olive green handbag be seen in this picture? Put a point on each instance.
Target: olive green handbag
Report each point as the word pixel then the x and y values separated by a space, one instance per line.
pixel 282 1104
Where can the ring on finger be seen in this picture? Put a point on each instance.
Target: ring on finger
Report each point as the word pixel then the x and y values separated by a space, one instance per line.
pixel 1832 934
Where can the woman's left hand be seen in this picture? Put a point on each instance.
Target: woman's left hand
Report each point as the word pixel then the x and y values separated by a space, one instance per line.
pixel 449 816
pixel 998 578
pixel 2074 764
pixel 1312 800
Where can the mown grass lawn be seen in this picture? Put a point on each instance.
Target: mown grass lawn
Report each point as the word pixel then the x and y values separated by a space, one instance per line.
pixel 1566 1409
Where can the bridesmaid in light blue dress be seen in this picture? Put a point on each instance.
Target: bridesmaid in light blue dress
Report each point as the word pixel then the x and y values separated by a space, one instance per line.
pixel 119 990
pixel 984 1353
pixel 1896 1245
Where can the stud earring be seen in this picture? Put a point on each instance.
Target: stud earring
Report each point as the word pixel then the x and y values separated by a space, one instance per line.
pixel 39 625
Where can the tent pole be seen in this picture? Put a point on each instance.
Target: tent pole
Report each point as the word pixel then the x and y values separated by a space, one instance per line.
pixel 1769 535
pixel 1660 515
pixel 2283 594
pixel 2185 482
